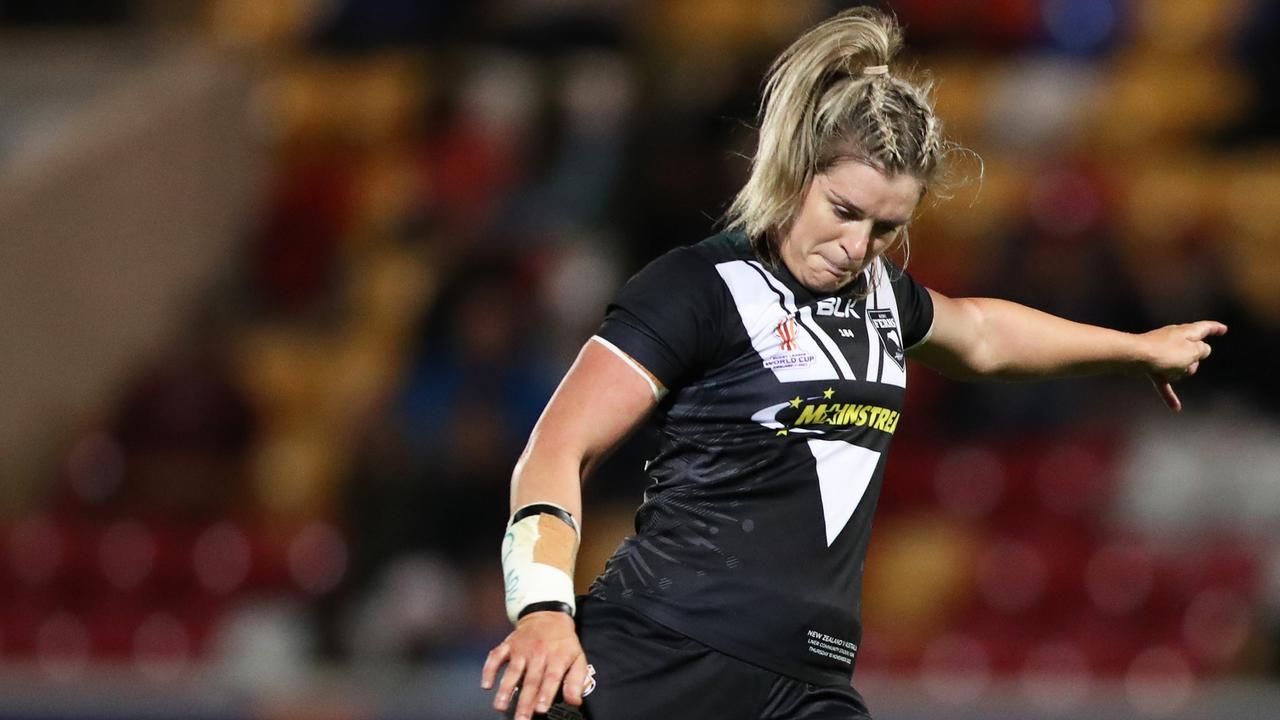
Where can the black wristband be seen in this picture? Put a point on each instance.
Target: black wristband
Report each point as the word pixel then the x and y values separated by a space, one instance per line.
pixel 547 605
pixel 543 509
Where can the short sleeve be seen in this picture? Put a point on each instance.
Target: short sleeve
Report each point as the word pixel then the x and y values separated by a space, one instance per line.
pixel 666 317
pixel 915 307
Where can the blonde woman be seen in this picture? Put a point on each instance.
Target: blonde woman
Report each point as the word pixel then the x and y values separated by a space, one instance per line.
pixel 772 357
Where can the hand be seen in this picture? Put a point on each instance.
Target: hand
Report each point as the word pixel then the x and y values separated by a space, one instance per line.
pixel 1174 352
pixel 544 651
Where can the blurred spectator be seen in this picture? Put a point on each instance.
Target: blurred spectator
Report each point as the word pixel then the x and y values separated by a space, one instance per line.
pixel 185 428
pixel 483 146
pixel 1040 105
pixel 433 474
pixel 1256 51
pixel 1009 24
pixel 480 376
pixel 1087 28
pixel 1188 276
pixel 293 270
pixel 579 189
pixel 689 158
pixel 362 25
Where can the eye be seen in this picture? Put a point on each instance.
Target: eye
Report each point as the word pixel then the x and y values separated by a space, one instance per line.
pixel 882 230
pixel 845 213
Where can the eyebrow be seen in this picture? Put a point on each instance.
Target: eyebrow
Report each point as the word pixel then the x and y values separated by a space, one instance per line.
pixel 849 204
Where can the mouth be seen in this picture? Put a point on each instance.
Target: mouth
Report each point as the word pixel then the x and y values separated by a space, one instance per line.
pixel 833 268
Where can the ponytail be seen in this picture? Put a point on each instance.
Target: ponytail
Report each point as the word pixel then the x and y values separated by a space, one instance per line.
pixel 830 97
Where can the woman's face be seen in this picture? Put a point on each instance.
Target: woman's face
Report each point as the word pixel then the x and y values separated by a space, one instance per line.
pixel 851 214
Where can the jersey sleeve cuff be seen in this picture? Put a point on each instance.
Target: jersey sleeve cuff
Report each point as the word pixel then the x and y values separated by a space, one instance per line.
pixel 658 390
pixel 927 334
pixel 926 301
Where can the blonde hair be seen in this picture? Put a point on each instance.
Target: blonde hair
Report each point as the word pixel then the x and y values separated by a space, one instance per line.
pixel 829 98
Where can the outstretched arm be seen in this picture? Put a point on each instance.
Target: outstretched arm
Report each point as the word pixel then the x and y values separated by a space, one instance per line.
pixel 601 399
pixel 989 338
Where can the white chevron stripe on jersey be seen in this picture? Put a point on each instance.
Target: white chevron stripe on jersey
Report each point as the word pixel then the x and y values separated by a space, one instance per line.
pixel 844 471
pixel 762 312
pixel 806 314
pixel 806 318
pixel 875 352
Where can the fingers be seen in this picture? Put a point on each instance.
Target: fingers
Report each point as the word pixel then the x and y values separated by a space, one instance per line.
pixel 536 656
pixel 1167 394
pixel 1205 328
pixel 575 680
pixel 532 684
pixel 1177 360
pixel 497 656
pixel 546 692
pixel 515 669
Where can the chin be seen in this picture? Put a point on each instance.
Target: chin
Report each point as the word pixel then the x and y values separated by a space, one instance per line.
pixel 826 285
pixel 826 282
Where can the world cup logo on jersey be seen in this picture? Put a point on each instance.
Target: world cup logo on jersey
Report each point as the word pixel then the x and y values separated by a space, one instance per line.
pixel 786 331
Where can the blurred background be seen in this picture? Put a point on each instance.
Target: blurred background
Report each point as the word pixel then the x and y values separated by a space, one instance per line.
pixel 284 285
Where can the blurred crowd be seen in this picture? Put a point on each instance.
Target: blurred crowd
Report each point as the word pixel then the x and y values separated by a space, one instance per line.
pixel 318 468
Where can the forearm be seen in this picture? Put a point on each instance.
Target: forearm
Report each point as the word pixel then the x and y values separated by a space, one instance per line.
pixel 596 405
pixel 1015 342
pixel 599 402
pixel 546 473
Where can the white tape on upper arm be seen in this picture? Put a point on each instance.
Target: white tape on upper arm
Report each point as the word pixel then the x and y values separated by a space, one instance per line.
pixel 658 391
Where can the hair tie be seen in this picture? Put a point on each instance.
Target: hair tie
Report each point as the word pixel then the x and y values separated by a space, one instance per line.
pixel 875 70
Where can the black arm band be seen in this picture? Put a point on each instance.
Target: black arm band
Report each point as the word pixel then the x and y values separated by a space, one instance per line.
pixel 543 509
pixel 554 605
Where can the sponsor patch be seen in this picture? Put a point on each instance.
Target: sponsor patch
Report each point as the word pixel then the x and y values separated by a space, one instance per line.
pixel 815 414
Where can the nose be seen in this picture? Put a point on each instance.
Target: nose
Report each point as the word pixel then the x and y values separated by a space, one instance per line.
pixel 855 240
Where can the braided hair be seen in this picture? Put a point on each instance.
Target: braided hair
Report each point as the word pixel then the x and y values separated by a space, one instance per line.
pixel 829 98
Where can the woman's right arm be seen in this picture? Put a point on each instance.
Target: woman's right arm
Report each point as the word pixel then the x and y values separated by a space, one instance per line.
pixel 601 399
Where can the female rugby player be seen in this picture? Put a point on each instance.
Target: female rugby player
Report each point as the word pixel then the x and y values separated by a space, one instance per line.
pixel 773 359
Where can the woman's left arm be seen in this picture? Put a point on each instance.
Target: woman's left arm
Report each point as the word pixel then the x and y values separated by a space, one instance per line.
pixel 990 338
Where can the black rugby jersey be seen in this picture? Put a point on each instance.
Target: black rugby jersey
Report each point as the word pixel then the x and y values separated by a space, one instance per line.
pixel 771 451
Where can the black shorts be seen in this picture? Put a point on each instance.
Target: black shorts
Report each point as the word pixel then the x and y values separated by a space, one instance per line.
pixel 645 671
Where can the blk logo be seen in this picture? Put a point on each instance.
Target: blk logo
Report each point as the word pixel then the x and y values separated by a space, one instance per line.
pixel 836 307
